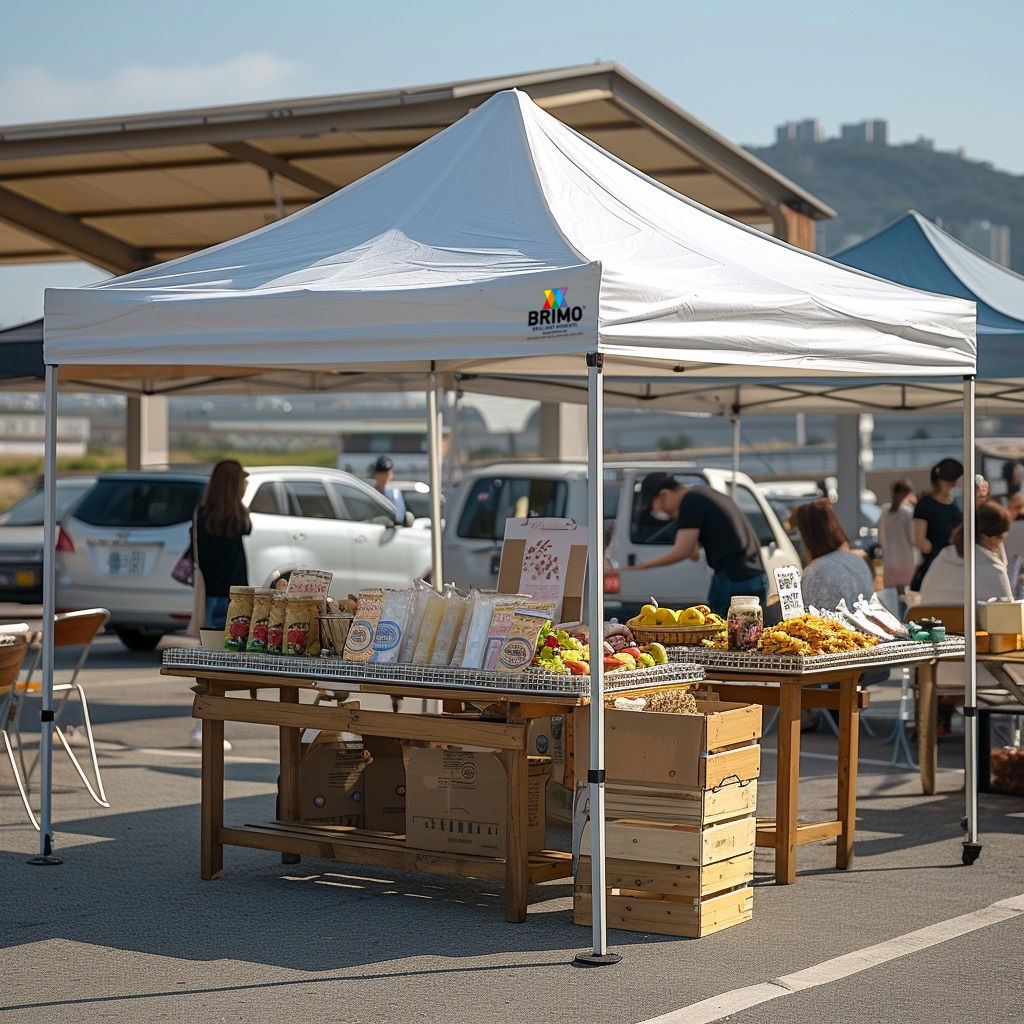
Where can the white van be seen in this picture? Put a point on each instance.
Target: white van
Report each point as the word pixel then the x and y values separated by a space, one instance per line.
pixel 487 496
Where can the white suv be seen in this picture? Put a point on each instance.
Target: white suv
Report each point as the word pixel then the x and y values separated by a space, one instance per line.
pixel 118 548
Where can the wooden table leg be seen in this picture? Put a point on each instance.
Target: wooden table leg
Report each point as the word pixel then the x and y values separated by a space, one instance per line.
pixel 787 784
pixel 211 850
pixel 517 770
pixel 927 724
pixel 846 791
pixel 291 755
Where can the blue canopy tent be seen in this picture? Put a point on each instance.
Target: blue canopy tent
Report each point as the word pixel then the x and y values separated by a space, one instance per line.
pixel 915 252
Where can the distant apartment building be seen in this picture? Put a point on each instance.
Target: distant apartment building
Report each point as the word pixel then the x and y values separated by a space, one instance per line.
pixel 873 132
pixel 799 132
pixel 991 240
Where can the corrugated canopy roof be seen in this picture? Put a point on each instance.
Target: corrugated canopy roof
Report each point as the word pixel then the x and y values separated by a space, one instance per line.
pixel 129 192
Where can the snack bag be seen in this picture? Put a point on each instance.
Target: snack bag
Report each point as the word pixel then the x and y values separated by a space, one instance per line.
pixel 259 623
pixel 275 622
pixel 236 629
pixel 302 625
pixel 392 625
pixel 359 642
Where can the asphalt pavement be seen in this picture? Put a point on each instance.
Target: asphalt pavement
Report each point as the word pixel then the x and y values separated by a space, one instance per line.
pixel 124 929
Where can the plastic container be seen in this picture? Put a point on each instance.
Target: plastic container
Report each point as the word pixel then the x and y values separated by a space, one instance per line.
pixel 744 623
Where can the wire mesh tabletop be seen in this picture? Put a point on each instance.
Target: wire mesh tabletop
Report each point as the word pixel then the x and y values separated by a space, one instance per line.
pixel 324 671
pixel 897 652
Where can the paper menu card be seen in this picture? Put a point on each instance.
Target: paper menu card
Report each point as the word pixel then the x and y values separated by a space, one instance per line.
pixel 547 559
pixel 791 599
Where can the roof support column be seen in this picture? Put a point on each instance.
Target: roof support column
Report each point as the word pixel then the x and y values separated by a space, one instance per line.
pixel 563 431
pixel 145 431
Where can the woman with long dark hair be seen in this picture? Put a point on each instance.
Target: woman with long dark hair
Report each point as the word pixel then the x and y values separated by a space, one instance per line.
pixel 222 520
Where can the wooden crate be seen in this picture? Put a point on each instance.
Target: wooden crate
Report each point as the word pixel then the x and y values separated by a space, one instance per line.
pixel 681 806
pixel 666 843
pixel 667 751
pixel 679 881
pixel 661 914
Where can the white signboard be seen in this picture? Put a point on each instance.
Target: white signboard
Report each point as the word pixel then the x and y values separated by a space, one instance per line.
pixel 787 582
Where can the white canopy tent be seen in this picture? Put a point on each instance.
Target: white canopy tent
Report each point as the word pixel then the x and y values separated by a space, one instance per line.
pixel 506 244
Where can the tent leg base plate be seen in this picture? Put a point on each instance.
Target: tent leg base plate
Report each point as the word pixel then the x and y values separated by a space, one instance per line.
pixel 972 851
pixel 596 959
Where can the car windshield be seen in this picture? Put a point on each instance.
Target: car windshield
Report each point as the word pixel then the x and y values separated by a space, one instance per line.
pixel 29 511
pixel 140 502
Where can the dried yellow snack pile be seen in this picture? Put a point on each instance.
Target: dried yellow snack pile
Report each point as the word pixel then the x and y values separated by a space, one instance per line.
pixel 808 635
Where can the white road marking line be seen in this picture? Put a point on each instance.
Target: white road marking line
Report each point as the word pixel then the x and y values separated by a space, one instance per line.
pixel 719 1007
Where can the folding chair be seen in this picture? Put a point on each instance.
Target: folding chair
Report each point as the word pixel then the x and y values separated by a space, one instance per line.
pixel 12 657
pixel 70 629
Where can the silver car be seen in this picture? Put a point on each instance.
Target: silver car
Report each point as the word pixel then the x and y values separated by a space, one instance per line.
pixel 21 539
pixel 118 547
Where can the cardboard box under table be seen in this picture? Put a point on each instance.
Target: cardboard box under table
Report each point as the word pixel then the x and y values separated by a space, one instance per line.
pixel 456 799
pixel 679 818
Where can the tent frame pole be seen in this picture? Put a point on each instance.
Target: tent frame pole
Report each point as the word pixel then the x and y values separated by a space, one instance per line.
pixel 599 956
pixel 971 846
pixel 434 432
pixel 45 857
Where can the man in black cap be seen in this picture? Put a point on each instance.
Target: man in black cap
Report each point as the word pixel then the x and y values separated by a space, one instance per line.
pixel 383 471
pixel 706 518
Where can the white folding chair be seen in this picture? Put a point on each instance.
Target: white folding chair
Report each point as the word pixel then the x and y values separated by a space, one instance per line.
pixel 70 629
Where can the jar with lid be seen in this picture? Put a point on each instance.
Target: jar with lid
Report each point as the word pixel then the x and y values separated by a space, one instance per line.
pixel 744 623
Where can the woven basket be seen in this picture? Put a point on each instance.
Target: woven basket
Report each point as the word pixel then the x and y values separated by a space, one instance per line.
pixel 672 636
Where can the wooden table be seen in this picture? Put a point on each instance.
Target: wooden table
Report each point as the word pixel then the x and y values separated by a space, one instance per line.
pixel 792 690
pixel 229 696
pixel 928 706
pixel 237 696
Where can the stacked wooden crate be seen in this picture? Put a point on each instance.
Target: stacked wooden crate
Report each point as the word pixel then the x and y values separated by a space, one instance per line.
pixel 680 804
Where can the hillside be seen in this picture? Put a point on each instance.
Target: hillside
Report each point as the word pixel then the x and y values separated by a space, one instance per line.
pixel 870 186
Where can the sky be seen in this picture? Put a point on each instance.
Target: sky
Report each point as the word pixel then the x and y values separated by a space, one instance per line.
pixel 940 70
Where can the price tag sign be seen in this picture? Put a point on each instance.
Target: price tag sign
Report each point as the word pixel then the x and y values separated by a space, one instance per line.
pixel 787 582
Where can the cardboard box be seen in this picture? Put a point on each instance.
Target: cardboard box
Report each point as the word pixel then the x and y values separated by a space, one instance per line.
pixel 456 801
pixel 1001 643
pixel 384 786
pixel 648 748
pixel 546 738
pixel 1001 616
pixel 331 782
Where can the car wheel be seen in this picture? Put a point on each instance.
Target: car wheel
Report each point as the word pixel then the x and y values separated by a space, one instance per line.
pixel 137 640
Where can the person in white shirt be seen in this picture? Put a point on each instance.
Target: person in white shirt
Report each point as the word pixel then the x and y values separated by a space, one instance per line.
pixel 943 583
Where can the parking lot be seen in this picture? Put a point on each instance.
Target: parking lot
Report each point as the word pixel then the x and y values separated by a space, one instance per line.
pixel 125 930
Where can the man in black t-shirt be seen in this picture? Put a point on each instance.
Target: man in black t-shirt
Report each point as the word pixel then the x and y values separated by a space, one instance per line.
pixel 708 519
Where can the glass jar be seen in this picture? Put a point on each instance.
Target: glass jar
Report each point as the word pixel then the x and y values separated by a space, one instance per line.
pixel 745 620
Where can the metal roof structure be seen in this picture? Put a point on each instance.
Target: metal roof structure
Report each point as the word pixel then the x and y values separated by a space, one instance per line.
pixel 129 192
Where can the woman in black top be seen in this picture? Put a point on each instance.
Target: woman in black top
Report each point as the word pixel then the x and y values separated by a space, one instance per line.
pixel 222 520
pixel 936 515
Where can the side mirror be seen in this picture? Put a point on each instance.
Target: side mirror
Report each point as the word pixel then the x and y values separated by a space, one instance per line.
pixel 409 518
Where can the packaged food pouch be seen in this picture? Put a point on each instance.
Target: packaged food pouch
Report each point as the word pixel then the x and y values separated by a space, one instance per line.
pixel 302 625
pixel 421 591
pixel 236 629
pixel 505 620
pixel 391 627
pixel 259 624
pixel 447 635
pixel 479 628
pixel 518 649
pixel 473 599
pixel 426 637
pixel 359 642
pixel 275 622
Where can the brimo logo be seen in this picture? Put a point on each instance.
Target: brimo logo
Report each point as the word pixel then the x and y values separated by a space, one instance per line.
pixel 555 310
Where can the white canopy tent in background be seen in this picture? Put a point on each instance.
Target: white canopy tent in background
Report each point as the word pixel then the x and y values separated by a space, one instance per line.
pixel 506 244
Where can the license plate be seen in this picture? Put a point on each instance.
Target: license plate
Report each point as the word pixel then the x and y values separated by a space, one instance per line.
pixel 20 578
pixel 126 563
